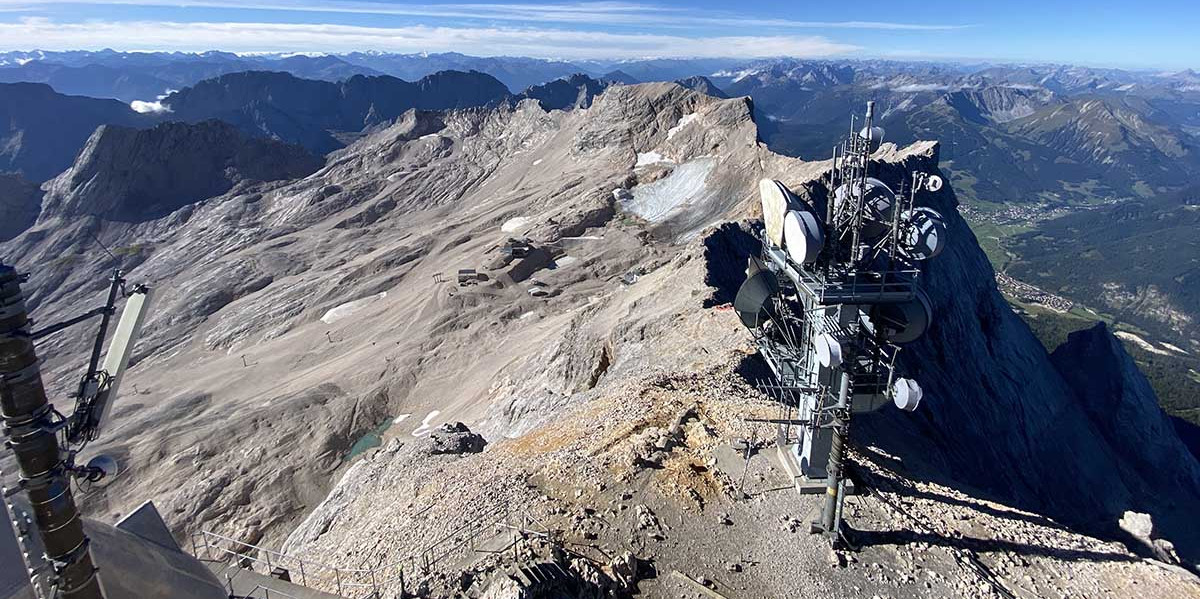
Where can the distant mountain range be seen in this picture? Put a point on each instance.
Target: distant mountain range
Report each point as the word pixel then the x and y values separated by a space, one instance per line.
pixel 1011 133
pixel 321 115
pixel 1044 137
pixel 1014 133
pixel 42 130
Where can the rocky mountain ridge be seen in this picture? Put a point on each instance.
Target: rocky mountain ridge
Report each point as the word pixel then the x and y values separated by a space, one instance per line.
pixel 314 113
pixel 295 317
pixel 132 175
pixel 44 129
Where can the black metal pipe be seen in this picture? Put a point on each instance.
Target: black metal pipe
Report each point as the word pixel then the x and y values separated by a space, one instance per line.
pixel 54 328
pixel 833 486
pixel 30 427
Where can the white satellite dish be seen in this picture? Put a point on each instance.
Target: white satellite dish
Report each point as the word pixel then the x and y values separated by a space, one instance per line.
pixel 776 201
pixel 878 203
pixel 802 237
pixel 906 394
pixel 829 350
pixel 875 135
pixel 925 236
pixel 933 182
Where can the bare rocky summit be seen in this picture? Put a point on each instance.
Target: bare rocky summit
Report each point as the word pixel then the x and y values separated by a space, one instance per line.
pixel 133 175
pixel 297 317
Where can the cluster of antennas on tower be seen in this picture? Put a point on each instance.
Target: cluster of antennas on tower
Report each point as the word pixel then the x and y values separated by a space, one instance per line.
pixel 834 294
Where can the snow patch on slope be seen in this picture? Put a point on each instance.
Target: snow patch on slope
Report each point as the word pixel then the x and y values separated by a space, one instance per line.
pixel 658 200
pixel 648 158
pixel 343 310
pixel 683 122
pixel 514 224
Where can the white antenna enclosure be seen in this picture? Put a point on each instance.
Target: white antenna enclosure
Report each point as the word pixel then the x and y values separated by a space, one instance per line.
pixel 776 201
pixel 119 350
pixel 802 236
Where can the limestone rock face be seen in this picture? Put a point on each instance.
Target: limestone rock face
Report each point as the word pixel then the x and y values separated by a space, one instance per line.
pixel 132 175
pixel 43 130
pixel 576 91
pixel 20 202
pixel 1122 408
pixel 455 439
pixel 702 85
pixel 323 115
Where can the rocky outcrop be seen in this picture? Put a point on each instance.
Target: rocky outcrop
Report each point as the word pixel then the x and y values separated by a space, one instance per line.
pixel 313 113
pixel 43 130
pixel 135 175
pixel 702 85
pixel 1156 467
pixel 576 91
pixel 20 202
pixel 455 439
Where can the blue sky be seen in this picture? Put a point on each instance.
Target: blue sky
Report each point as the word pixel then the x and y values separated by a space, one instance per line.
pixel 1155 34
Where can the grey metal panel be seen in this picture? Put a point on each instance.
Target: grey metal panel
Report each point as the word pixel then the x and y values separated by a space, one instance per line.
pixel 146 522
pixel 124 338
pixel 131 567
pixel 13 582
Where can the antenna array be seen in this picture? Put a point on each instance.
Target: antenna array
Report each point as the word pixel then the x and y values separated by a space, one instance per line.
pixel 831 299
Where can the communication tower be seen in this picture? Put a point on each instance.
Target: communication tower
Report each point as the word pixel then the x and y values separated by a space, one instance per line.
pixel 830 301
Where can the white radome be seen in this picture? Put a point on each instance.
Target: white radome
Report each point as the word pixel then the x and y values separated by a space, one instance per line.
pixel 829 350
pixel 774 207
pixel 802 237
pixel 925 236
pixel 906 394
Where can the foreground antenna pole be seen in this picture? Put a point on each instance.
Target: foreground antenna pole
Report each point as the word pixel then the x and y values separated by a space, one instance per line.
pixel 31 429
pixel 833 486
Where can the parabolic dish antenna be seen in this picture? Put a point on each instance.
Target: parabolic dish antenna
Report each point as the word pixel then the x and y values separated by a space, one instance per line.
pixel 901 323
pixel 106 464
pixel 933 182
pixel 878 203
pixel 776 201
pixel 802 237
pixel 906 394
pixel 751 300
pixel 876 136
pixel 925 236
pixel 829 350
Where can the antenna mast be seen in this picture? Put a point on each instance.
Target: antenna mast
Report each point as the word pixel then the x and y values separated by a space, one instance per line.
pixel 32 425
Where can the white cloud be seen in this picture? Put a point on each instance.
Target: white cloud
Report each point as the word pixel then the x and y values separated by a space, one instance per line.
pixel 491 41
pixel 920 87
pixel 595 13
pixel 149 107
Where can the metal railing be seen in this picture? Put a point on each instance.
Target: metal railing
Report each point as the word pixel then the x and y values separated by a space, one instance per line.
pixel 368 582
pixel 262 592
pixel 348 582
